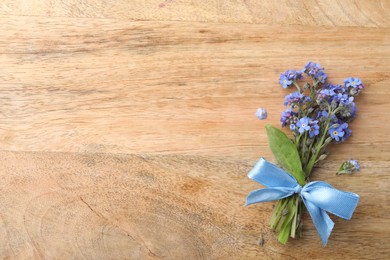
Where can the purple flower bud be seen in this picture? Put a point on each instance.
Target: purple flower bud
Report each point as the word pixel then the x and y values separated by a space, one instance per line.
pixel 315 71
pixel 288 117
pixel 295 99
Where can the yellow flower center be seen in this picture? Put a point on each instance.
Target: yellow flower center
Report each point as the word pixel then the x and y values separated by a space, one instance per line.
pixel 303 125
pixel 335 133
pixel 353 83
pixel 285 81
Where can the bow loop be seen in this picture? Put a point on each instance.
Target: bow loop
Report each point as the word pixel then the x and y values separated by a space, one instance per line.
pixel 275 177
pixel 337 202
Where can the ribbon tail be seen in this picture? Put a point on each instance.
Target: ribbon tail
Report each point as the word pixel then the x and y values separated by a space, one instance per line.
pixel 321 220
pixel 268 194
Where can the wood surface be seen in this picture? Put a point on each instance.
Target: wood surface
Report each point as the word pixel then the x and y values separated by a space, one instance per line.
pixel 127 128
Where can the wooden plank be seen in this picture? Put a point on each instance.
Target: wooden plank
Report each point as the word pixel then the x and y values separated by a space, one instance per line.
pixel 301 12
pixel 100 86
pixel 92 85
pixel 102 206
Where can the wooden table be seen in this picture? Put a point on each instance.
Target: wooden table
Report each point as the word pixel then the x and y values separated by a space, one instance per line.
pixel 127 127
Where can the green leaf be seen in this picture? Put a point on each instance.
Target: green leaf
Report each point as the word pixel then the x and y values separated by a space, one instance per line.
pixel 285 153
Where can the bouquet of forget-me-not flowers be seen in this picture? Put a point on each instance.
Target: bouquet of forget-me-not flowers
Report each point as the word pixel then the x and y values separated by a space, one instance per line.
pixel 318 114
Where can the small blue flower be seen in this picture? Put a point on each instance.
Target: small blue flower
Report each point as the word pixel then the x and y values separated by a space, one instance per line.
pixel 327 92
pixel 352 82
pixel 335 95
pixel 284 81
pixel 355 164
pixel 288 77
pixel 293 74
pixel 292 127
pixel 353 109
pixel 344 99
pixel 292 98
pixel 343 125
pixel 312 68
pixel 330 91
pixel 322 116
pixel 321 76
pixel 261 113
pixel 336 133
pixel 336 88
pixel 347 110
pixel 347 131
pixel 314 129
pixel 348 167
pixel 303 125
pixel 322 113
pixel 355 85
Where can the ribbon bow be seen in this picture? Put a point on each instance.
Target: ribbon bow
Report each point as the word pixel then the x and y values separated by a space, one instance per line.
pixel 318 196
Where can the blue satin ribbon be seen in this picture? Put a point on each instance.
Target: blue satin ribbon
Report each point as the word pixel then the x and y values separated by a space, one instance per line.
pixel 318 196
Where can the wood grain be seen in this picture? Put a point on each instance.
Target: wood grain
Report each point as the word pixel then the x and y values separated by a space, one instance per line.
pixel 127 128
pixel 105 206
pixel 360 13
pixel 172 87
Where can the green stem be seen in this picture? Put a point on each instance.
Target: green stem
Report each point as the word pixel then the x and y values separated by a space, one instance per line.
pixel 294 222
pixel 277 213
pixel 286 223
pixel 303 145
pixel 315 83
pixel 313 159
pixel 297 138
pixel 313 90
pixel 308 153
pixel 320 145
pixel 297 86
pixel 299 220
